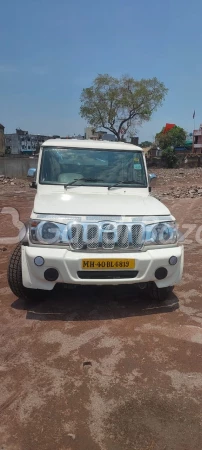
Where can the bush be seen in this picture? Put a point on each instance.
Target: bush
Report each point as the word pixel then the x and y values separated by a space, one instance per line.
pixel 169 156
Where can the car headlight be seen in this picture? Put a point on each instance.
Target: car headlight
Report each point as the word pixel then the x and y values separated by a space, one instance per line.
pixel 45 232
pixel 163 233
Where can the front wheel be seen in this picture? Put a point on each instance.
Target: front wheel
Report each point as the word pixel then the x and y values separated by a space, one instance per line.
pixel 160 294
pixel 14 276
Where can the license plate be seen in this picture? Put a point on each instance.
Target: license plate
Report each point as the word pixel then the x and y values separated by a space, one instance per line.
pixel 108 264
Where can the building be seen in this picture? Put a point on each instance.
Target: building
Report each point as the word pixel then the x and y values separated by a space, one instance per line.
pixel 134 140
pixel 154 152
pixel 197 141
pixel 168 127
pixel 78 137
pixel 21 142
pixel 91 133
pixel 12 144
pixel 189 140
pixel 187 147
pixel 2 140
pixel 146 151
pixel 31 142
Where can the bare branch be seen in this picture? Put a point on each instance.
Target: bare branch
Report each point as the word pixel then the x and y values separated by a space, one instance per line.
pixel 112 129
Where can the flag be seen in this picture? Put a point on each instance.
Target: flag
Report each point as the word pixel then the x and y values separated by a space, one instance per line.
pixel 194 114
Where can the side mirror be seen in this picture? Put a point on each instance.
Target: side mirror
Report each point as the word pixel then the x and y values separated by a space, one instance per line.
pixel 31 173
pixel 152 180
pixel 152 177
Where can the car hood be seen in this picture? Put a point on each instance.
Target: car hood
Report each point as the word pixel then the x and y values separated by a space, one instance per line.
pixel 90 204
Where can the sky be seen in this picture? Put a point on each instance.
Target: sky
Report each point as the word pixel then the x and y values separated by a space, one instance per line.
pixel 51 50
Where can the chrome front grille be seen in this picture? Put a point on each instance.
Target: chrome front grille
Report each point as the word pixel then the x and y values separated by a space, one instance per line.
pixel 77 241
pixel 93 237
pixel 122 236
pixel 136 231
pixel 105 236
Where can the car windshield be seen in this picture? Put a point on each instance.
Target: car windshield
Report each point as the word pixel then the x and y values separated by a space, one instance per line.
pixel 92 167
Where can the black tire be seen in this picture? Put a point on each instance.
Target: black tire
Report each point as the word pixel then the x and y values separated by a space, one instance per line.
pixel 14 276
pixel 159 294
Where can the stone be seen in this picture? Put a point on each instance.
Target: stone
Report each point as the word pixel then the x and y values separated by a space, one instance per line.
pixel 87 364
pixel 72 435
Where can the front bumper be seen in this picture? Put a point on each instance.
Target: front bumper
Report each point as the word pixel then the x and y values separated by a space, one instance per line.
pixel 68 264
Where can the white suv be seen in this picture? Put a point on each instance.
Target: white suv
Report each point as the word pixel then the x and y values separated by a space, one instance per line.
pixel 94 222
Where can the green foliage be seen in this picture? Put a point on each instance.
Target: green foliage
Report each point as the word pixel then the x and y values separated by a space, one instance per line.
pixel 119 104
pixel 175 137
pixel 146 144
pixel 169 156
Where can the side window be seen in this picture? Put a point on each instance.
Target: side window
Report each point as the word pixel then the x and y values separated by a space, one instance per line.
pixel 50 167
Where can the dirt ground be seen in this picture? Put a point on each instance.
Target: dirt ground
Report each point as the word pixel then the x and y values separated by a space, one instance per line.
pixel 100 368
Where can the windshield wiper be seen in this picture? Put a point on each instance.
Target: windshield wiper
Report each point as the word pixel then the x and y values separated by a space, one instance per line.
pixel 81 179
pixel 124 182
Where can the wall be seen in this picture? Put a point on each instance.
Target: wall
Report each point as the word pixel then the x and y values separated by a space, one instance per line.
pixel 191 161
pixel 2 142
pixel 14 167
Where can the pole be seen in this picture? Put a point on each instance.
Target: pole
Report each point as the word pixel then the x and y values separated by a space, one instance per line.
pixel 193 117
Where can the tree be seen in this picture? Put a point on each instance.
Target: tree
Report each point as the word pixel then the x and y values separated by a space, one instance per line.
pixel 175 137
pixel 119 104
pixel 169 156
pixel 146 144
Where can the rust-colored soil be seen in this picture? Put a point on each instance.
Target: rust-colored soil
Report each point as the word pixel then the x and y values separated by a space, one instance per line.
pixel 100 368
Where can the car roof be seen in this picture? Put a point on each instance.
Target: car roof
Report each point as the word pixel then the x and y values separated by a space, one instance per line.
pixel 88 143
